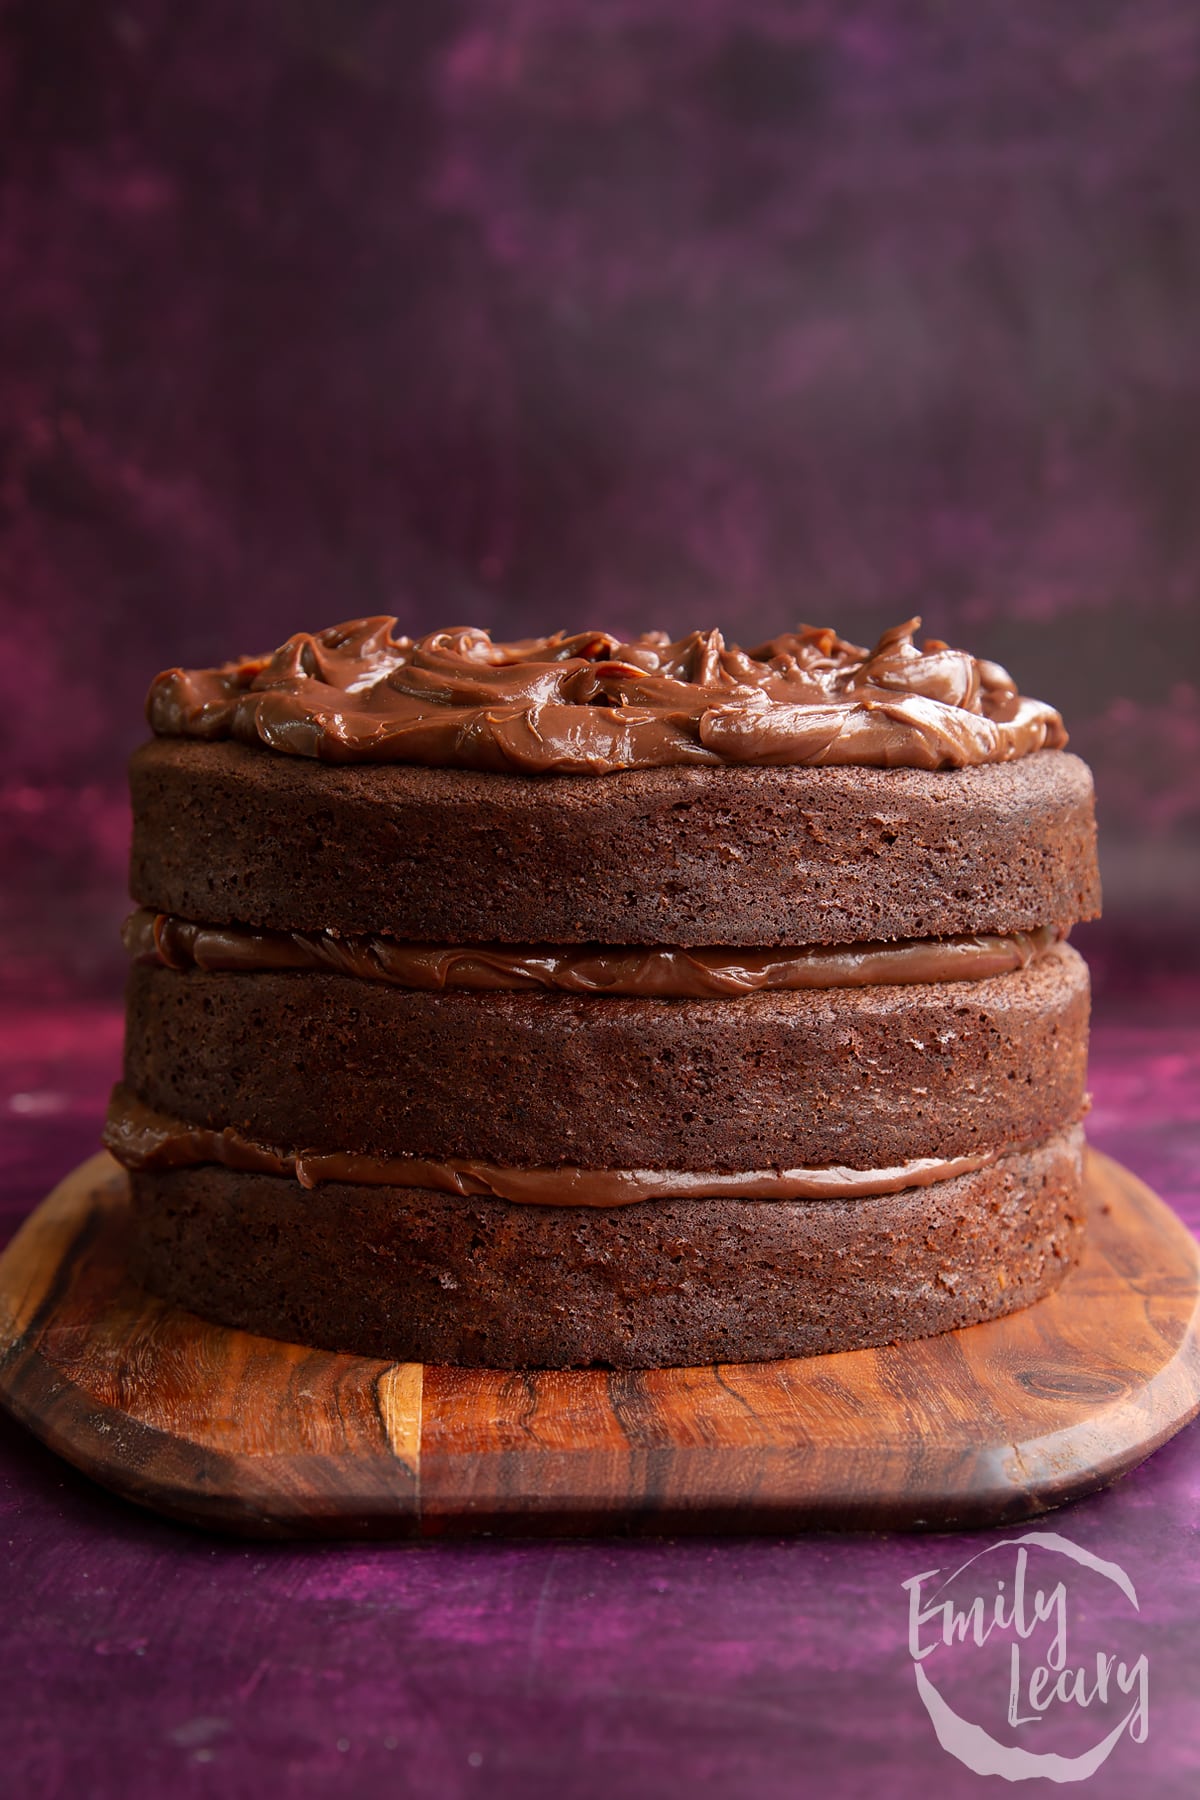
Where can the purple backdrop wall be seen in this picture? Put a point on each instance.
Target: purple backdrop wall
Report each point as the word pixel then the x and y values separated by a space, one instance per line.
pixel 733 311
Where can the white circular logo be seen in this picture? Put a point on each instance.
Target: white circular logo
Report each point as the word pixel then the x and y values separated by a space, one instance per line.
pixel 1018 1635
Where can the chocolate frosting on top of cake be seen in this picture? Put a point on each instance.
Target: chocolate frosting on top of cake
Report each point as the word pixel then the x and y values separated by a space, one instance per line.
pixel 591 704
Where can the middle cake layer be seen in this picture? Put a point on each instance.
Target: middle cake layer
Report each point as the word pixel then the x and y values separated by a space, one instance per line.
pixel 870 1076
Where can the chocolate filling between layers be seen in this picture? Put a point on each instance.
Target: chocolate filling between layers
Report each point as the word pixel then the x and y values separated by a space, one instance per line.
pixel 141 1138
pixel 664 973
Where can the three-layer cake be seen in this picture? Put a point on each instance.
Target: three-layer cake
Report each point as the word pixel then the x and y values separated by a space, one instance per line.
pixel 585 1002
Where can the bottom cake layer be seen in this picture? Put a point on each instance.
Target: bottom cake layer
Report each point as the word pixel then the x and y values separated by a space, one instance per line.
pixel 417 1276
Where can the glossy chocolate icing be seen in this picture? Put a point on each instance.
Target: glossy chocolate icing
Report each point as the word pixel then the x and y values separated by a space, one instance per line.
pixel 662 973
pixel 591 704
pixel 141 1138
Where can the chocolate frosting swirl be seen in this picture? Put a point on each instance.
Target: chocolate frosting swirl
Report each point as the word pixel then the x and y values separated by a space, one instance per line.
pixel 662 973
pixel 591 704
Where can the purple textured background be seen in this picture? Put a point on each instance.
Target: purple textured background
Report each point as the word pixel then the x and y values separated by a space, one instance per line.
pixel 729 311
pixel 734 311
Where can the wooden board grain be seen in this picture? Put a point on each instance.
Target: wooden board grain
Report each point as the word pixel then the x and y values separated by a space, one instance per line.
pixel 244 1434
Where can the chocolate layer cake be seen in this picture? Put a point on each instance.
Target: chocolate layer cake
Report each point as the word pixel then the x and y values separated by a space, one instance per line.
pixel 583 1002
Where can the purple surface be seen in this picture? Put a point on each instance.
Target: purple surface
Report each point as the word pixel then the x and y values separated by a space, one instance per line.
pixel 138 1657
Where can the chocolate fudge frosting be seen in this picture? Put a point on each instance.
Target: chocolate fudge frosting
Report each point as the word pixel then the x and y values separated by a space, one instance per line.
pixel 141 1138
pixel 591 704
pixel 661 973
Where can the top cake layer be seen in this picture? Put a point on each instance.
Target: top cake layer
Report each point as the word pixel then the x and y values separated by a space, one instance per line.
pixel 807 792
pixel 590 705
pixel 227 835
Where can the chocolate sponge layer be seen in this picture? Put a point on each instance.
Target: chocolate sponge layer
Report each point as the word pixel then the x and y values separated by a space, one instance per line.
pixel 868 1076
pixel 224 833
pixel 435 1278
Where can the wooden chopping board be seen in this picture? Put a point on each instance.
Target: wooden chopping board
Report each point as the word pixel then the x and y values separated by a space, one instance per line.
pixel 244 1434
